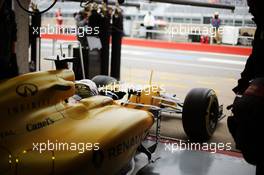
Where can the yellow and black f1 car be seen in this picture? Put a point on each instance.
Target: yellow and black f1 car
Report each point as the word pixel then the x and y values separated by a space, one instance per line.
pixel 45 130
pixel 42 132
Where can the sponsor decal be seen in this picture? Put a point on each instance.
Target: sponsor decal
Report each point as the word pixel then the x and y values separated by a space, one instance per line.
pixel 39 125
pixel 27 90
pixel 20 108
pixel 4 134
pixel 124 146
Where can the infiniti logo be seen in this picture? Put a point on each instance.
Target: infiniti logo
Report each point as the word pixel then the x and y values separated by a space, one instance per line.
pixel 27 90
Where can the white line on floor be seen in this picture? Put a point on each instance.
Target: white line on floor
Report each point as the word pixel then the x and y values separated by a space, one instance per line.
pixel 178 63
pixel 224 61
pixel 132 52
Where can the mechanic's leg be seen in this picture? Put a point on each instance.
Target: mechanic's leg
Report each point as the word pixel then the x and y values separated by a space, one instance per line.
pixel 218 41
pixel 246 127
pixel 147 33
pixel 151 33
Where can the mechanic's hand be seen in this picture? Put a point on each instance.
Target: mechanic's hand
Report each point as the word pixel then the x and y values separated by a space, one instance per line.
pixel 241 87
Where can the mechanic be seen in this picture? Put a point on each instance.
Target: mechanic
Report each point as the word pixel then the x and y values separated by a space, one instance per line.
pixel 82 20
pixel 149 23
pixel 246 124
pixel 8 30
pixel 216 24
pixel 59 19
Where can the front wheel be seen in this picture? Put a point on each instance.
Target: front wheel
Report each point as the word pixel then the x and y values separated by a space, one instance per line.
pixel 200 114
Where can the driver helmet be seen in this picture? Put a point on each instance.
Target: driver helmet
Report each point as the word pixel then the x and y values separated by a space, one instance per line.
pixel 85 88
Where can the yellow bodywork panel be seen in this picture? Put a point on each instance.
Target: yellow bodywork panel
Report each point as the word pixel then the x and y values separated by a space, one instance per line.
pixel 146 96
pixel 42 134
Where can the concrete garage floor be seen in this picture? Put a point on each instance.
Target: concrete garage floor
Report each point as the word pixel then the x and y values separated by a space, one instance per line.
pixel 188 162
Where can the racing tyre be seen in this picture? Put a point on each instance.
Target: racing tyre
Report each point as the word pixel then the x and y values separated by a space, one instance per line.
pixel 200 114
pixel 103 80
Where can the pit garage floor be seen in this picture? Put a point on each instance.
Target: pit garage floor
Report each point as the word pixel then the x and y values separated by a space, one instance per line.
pixel 187 162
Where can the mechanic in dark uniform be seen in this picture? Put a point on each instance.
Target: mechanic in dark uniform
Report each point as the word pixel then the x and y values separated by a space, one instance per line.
pixel 8 30
pixel 117 34
pixel 82 20
pixel 246 126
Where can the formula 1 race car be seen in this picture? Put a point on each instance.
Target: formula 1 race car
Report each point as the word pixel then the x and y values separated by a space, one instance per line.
pixel 42 132
pixel 200 111
pixel 47 129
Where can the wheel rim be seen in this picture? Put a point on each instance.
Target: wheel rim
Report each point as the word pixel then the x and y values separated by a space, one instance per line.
pixel 213 116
